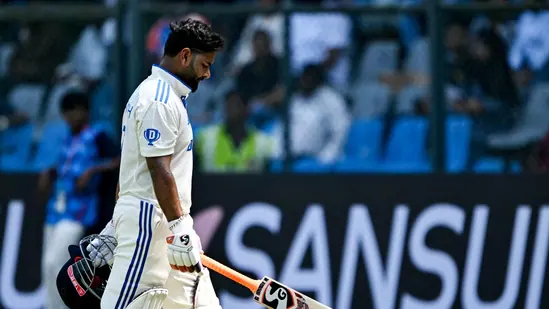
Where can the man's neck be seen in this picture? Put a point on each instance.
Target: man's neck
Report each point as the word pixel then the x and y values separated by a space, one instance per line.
pixel 166 64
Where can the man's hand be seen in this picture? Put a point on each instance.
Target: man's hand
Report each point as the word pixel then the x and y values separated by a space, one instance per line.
pixel 101 247
pixel 44 181
pixel 184 248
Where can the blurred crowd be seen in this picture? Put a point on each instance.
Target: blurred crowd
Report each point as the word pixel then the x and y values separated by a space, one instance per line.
pixel 359 99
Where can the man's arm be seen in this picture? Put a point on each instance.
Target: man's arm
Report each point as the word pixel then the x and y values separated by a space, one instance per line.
pixel 157 131
pixel 164 186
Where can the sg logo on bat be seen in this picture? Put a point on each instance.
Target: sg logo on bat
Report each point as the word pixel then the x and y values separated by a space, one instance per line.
pixel 276 296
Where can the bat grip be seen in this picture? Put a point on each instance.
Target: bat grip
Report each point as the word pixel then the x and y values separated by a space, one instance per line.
pixel 230 273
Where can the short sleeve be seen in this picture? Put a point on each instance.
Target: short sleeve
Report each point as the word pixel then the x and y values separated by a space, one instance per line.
pixel 157 130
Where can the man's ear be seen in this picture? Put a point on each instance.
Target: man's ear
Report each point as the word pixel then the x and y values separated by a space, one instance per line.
pixel 185 56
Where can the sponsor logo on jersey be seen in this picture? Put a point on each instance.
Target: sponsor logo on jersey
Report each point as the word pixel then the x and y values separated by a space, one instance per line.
pixel 152 135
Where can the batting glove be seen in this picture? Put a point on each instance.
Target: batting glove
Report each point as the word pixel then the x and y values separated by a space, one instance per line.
pixel 184 248
pixel 101 247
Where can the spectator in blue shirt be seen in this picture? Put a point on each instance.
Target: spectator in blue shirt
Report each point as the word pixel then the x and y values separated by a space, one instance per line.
pixel 72 208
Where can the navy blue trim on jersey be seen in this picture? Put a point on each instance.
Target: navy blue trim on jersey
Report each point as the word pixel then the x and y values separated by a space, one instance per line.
pixel 146 252
pixel 140 253
pixel 177 78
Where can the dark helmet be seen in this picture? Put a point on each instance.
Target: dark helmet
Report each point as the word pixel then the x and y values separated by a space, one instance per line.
pixel 79 283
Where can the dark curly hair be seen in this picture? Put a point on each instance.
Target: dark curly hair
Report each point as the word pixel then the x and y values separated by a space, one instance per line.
pixel 192 34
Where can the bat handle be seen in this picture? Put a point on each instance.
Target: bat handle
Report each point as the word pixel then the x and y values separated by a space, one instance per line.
pixel 230 273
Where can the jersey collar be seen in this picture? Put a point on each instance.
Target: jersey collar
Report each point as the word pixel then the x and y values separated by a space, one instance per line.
pixel 177 84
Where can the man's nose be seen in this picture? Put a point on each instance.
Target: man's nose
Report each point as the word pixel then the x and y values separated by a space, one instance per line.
pixel 207 74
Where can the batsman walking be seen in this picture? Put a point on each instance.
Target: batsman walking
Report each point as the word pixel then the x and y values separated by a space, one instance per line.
pixel 156 262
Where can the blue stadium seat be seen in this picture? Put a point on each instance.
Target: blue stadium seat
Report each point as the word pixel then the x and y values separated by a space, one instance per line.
pixel 405 167
pixel 489 165
pixel 458 137
pixel 356 165
pixel 495 165
pixel 277 166
pixel 15 148
pixel 310 166
pixel 49 146
pixel 407 142
pixel 364 140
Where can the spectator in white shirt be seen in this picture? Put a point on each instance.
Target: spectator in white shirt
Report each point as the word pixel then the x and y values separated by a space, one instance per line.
pixel 320 38
pixel 271 23
pixel 319 119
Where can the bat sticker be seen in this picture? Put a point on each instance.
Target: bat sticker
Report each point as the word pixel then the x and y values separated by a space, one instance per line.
pixel 277 296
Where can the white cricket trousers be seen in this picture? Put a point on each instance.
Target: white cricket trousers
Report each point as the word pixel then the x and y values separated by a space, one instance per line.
pixel 55 253
pixel 141 261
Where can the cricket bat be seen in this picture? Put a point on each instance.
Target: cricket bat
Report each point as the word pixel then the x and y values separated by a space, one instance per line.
pixel 267 292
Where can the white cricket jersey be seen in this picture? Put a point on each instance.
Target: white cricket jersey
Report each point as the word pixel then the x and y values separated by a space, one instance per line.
pixel 156 123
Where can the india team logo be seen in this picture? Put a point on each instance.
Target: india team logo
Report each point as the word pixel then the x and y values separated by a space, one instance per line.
pixel 152 135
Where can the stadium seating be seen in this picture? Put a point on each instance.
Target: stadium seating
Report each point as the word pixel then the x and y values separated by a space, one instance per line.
pixel 15 148
pixel 408 140
pixel 301 166
pixel 489 165
pixel 403 167
pixel 310 166
pixel 458 136
pixel 364 140
pixel 494 165
pixel 356 165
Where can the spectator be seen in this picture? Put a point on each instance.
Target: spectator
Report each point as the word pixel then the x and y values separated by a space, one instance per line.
pixel 73 205
pixel 319 119
pixel 320 38
pixel 233 146
pixel 482 82
pixel 271 23
pixel 259 81
pixel 491 93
